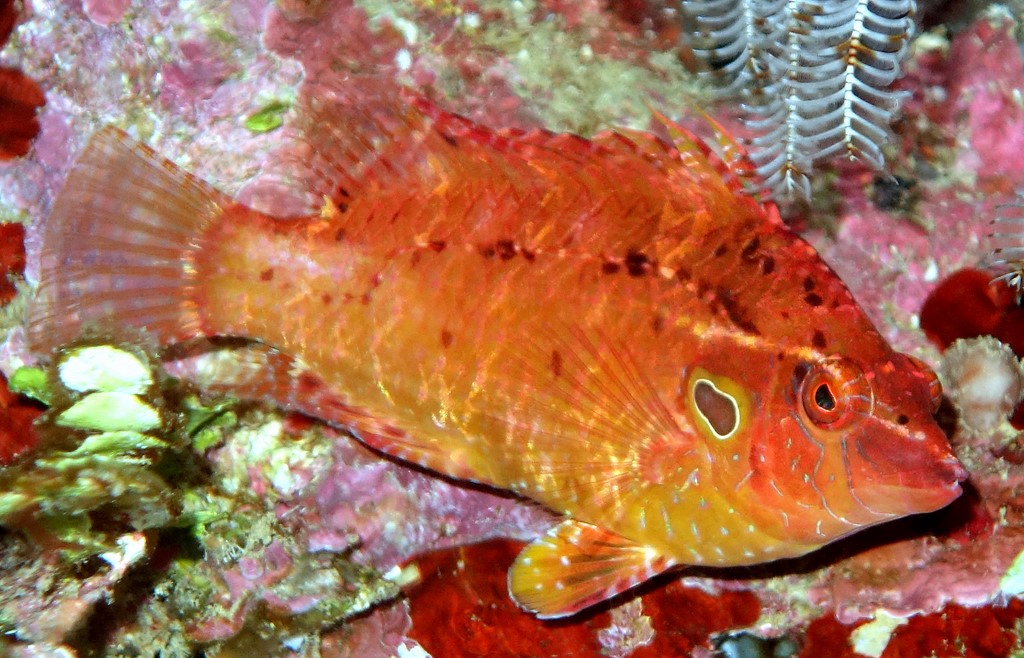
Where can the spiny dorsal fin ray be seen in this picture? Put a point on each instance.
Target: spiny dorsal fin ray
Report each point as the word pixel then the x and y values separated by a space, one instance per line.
pixel 453 180
pixel 576 565
pixel 721 157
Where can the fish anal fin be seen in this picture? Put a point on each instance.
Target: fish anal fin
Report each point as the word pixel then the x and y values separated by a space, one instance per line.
pixel 256 371
pixel 576 565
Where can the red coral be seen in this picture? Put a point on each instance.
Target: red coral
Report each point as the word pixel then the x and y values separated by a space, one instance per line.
pixel 969 632
pixel 827 637
pixel 462 608
pixel 684 618
pixel 16 432
pixel 8 17
pixel 967 304
pixel 955 631
pixel 20 97
pixel 16 414
pixel 12 258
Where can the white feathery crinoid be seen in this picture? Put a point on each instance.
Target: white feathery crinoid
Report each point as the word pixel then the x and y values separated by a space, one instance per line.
pixel 811 78
pixel 1005 244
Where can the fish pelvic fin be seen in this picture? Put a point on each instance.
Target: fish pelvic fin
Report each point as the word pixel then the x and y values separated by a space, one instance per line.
pixel 576 565
pixel 118 247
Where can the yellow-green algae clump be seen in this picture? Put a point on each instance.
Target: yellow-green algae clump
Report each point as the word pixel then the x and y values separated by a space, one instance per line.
pixel 108 445
pixel 120 472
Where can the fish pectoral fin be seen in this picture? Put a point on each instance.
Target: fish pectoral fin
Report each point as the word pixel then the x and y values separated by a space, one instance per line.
pixel 576 565
pixel 601 412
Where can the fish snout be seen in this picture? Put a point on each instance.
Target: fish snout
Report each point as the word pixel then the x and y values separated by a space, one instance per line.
pixel 933 488
pixel 956 470
pixel 908 478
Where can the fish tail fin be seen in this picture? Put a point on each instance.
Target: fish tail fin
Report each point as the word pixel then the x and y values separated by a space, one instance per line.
pixel 119 245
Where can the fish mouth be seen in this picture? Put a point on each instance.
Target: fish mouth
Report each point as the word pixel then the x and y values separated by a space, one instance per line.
pixel 909 477
pixel 923 491
pixel 957 470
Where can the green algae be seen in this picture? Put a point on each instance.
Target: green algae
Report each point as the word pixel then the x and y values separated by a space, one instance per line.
pixel 104 368
pixel 269 117
pixel 207 424
pixel 105 455
pixel 88 493
pixel 31 382
pixel 108 411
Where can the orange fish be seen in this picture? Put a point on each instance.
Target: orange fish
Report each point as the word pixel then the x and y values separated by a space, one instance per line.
pixel 610 327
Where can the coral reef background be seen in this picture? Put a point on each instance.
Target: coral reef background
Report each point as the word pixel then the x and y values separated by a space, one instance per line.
pixel 293 514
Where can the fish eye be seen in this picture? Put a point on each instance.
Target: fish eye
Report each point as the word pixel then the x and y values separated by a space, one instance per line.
pixel 832 392
pixel 824 398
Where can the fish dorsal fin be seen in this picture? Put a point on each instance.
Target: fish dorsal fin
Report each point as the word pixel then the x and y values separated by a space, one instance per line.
pixel 720 155
pixel 369 137
pixel 405 173
pixel 576 565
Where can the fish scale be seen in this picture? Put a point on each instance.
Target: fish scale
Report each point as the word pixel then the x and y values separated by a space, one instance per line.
pixel 610 327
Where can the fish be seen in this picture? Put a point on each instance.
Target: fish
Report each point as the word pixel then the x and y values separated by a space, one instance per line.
pixel 608 326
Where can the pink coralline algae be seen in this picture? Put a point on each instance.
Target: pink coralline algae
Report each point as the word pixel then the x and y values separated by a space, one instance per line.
pixel 297 525
pixel 196 75
pixel 994 113
pixel 105 12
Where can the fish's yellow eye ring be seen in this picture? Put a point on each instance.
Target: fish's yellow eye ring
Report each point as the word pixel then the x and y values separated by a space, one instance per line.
pixel 834 393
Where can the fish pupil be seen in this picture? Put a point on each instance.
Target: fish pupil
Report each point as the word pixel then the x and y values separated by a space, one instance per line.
pixel 824 398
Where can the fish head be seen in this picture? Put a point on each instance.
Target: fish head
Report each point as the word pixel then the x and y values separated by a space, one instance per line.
pixel 899 460
pixel 847 443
